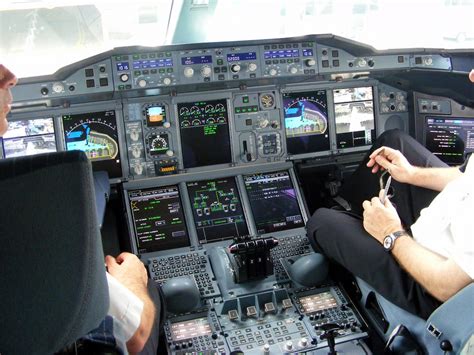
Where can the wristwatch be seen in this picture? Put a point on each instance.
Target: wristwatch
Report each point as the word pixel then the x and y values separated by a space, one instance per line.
pixel 389 240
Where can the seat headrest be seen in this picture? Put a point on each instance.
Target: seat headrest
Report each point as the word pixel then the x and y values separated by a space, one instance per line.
pixel 54 287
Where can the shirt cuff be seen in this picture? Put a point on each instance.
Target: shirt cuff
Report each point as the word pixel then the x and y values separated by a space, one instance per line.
pixel 125 307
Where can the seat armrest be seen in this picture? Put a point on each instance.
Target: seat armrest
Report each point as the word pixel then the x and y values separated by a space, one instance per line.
pixel 453 320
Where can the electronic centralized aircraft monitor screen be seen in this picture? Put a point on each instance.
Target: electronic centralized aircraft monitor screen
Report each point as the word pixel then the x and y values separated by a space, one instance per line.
pixel 355 120
pixel 29 137
pixel 273 201
pixel 158 219
pixel 306 121
pixel 450 139
pixel 217 210
pixel 95 134
pixel 204 128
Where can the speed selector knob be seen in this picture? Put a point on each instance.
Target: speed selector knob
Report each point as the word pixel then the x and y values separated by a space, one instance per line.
pixel 142 83
pixel 235 68
pixel 124 78
pixel 273 72
pixel 293 70
pixel 252 66
pixel 206 71
pixel 188 72
pixel 310 62
pixel 166 81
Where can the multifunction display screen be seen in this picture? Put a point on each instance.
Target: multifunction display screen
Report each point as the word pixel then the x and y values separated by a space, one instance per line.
pixel 355 120
pixel 158 219
pixel 204 128
pixel 189 329
pixel 95 134
pixel 450 139
pixel 273 201
pixel 29 137
pixel 318 302
pixel 306 121
pixel 217 210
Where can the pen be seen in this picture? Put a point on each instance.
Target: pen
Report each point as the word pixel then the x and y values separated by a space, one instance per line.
pixel 385 191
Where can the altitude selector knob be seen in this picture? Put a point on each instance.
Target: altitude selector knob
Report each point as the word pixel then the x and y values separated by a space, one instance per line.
pixel 188 72
pixel 205 71
pixel 235 68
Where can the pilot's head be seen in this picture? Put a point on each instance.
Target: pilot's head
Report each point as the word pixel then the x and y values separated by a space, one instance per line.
pixel 7 80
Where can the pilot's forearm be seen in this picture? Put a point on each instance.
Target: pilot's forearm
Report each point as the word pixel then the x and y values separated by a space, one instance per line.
pixel 136 343
pixel 433 178
pixel 440 276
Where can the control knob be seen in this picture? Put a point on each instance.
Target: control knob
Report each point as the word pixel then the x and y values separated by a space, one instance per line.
pixel 166 81
pixel 303 342
pixel 138 169
pixel 134 135
pixel 169 153
pixel 273 72
pixel 289 345
pixel 361 62
pixel 235 68
pixel 266 349
pixel 166 125
pixel 58 87
pixel 136 152
pixel 252 67
pixel 188 72
pixel 428 60
pixel 124 78
pixel 263 123
pixel 206 71
pixel 142 83
pixel 310 62
pixel 293 70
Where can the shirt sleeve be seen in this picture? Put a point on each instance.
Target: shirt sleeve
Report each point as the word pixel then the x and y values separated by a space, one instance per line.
pixel 125 308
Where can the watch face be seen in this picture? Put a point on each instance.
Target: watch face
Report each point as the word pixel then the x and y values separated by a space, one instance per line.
pixel 387 243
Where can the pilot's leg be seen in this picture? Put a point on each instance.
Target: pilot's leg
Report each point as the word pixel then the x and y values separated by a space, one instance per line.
pixel 342 238
pixel 151 346
pixel 410 200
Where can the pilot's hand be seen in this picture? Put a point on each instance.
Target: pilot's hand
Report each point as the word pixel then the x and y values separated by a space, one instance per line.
pixel 380 220
pixel 129 271
pixel 393 161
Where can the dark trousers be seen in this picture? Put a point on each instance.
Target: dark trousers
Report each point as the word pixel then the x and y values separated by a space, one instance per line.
pixel 342 238
pixel 151 346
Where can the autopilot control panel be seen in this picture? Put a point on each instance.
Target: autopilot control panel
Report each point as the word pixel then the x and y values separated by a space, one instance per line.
pixel 202 143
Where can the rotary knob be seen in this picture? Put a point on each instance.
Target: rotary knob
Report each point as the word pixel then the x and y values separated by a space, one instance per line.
pixel 235 68
pixel 142 83
pixel 124 78
pixel 303 342
pixel 138 169
pixel 361 62
pixel 136 152
pixel 188 72
pixel 58 87
pixel 289 345
pixel 293 70
pixel 273 72
pixel 252 67
pixel 166 81
pixel 206 71
pixel 166 125
pixel 169 153
pixel 266 349
pixel 310 62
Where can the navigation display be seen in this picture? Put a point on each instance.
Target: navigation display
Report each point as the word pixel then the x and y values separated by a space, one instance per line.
pixel 306 122
pixel 158 219
pixel 217 210
pixel 95 134
pixel 204 128
pixel 29 137
pixel 450 139
pixel 189 329
pixel 355 120
pixel 273 201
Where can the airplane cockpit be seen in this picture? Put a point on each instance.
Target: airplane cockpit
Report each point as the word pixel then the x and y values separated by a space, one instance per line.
pixel 216 129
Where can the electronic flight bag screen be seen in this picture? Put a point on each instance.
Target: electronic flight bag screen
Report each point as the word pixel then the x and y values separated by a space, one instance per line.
pixel 217 210
pixel 306 121
pixel 158 219
pixel 273 201
pixel 450 138
pixel 204 128
pixel 95 134
pixel 355 120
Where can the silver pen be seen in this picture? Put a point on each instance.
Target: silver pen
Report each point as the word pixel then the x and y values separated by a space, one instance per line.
pixel 385 190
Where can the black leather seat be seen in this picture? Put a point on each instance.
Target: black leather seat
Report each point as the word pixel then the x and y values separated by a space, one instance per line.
pixel 53 287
